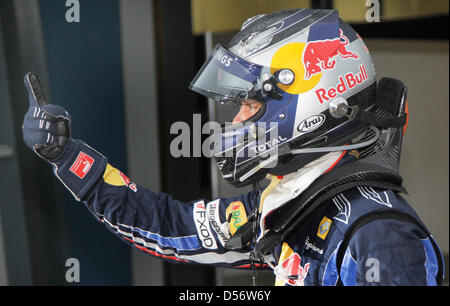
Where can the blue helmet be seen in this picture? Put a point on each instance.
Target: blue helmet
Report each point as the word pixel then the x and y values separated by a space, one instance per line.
pixel 310 70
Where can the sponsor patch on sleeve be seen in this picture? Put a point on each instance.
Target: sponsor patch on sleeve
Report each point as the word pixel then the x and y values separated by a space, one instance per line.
pixel 82 165
pixel 236 215
pixel 202 224
pixel 114 177
pixel 212 209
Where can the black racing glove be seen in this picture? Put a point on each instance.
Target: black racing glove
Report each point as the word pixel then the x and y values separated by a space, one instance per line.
pixel 46 130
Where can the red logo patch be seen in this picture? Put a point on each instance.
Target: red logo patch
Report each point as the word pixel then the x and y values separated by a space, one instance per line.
pixel 82 165
pixel 127 182
pixel 296 273
pixel 125 178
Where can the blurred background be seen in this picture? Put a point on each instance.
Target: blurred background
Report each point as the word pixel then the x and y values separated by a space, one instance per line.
pixel 122 69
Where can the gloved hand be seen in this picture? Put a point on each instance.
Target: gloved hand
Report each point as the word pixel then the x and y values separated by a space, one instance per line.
pixel 47 131
pixel 46 127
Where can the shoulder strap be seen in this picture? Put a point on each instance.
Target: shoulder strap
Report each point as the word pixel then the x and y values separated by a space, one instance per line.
pixel 287 220
pixel 376 215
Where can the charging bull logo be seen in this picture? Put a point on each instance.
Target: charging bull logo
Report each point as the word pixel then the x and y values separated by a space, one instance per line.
pixel 289 270
pixel 318 55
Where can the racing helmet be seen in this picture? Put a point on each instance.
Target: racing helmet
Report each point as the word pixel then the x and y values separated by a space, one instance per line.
pixel 312 73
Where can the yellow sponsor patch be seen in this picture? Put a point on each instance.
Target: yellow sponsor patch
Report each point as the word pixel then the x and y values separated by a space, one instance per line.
pixel 324 227
pixel 236 214
pixel 112 176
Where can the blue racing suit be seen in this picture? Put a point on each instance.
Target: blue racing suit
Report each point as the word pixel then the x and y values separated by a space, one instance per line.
pixel 381 252
pixel 327 249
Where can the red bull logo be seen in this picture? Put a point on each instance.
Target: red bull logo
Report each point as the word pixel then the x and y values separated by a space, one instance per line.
pixel 319 54
pixel 295 273
pixel 345 83
pixel 127 182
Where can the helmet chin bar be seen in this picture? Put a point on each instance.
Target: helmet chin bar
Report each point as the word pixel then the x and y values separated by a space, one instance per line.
pixel 266 161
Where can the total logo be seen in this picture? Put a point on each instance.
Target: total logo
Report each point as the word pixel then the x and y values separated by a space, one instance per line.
pixel 346 82
pixel 268 145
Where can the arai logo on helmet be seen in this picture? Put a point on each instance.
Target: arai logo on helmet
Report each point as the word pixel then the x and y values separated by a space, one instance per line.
pixel 311 123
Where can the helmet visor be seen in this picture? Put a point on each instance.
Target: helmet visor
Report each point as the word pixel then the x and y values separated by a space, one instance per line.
pixel 227 78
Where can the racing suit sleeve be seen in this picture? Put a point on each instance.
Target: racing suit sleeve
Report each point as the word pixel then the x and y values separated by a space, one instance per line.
pixel 390 253
pixel 159 225
pixel 153 222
